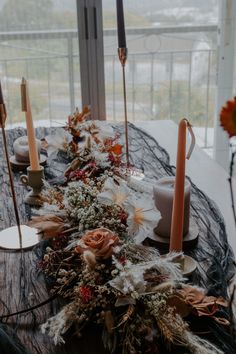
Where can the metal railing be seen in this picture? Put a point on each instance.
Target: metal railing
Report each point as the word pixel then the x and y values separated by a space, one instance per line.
pixel 146 88
pixel 19 41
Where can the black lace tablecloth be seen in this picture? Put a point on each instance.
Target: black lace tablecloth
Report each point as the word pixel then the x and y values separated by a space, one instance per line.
pixel 213 253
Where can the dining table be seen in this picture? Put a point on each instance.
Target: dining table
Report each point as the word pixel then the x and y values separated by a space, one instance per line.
pixel 153 147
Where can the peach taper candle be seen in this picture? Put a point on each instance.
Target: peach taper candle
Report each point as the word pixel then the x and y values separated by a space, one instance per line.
pixel 33 151
pixel 177 220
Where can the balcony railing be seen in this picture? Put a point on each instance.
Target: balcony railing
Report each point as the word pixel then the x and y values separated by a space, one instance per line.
pixel 161 84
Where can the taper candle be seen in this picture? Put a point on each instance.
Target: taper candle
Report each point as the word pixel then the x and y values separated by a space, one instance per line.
pixel 1 95
pixel 120 24
pixel 177 220
pixel 33 151
pixel 3 113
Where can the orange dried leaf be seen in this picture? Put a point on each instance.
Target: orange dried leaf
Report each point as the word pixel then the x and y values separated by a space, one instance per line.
pixel 116 149
pixel 201 304
pixel 228 117
pixel 181 306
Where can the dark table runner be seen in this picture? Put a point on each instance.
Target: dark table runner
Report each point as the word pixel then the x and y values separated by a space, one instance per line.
pixel 20 277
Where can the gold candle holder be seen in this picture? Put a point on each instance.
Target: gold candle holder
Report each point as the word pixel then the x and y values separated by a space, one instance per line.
pixel 17 237
pixel 123 54
pixel 187 264
pixel 33 179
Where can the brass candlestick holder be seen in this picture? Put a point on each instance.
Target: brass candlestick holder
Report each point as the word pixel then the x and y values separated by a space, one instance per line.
pixel 34 179
pixel 20 236
pixel 123 54
pixel 187 264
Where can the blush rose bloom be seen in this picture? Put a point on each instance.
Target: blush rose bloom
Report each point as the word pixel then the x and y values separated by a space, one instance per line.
pixel 99 241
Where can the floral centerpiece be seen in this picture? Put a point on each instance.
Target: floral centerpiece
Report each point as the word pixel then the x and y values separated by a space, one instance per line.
pixel 95 225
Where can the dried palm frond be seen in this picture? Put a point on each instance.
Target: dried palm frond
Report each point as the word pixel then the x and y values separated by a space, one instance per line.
pixel 49 225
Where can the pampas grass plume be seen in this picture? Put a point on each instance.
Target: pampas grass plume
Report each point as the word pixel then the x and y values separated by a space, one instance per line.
pixel 89 259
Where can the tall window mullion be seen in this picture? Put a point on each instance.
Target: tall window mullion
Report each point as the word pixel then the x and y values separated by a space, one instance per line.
pixel 91 56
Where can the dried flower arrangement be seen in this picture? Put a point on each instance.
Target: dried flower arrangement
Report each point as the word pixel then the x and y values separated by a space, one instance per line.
pixel 95 225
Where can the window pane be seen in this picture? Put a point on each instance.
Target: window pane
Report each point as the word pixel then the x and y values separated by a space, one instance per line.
pixel 39 41
pixel 171 67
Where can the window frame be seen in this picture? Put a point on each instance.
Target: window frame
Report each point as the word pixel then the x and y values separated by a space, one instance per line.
pixel 91 52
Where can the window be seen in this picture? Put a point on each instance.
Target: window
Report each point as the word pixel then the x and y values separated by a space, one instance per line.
pixel 171 67
pixel 39 40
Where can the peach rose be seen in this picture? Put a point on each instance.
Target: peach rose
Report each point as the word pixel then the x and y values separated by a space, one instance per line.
pixel 99 241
